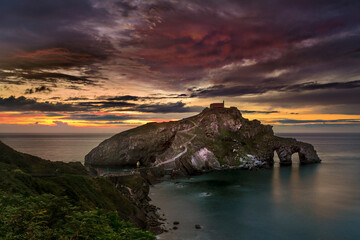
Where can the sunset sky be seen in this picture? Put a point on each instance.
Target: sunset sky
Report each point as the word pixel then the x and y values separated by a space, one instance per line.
pixel 107 66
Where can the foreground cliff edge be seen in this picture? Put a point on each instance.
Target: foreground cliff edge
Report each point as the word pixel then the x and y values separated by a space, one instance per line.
pixel 41 199
pixel 217 138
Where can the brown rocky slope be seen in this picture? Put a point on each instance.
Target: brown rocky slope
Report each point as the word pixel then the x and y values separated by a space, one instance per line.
pixel 214 139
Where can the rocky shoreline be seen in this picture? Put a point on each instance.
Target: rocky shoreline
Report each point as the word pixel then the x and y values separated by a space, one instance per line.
pixel 146 215
pixel 213 140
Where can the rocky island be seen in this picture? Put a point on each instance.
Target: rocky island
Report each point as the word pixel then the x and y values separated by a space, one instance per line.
pixel 217 138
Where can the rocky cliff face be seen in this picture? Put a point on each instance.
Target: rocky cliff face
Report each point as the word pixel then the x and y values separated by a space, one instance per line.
pixel 214 139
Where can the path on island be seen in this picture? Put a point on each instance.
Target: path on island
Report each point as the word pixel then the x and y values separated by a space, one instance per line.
pixel 137 170
pixel 182 145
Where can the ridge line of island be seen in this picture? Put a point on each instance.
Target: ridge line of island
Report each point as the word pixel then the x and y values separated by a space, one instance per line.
pixel 216 139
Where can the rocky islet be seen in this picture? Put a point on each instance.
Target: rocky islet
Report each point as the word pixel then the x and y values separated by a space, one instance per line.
pixel 215 139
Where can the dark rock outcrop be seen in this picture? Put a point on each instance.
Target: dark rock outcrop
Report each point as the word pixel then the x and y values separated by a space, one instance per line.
pixel 288 146
pixel 214 139
pixel 136 189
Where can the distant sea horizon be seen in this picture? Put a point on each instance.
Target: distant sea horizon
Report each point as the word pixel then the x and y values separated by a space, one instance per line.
pixel 70 147
pixel 66 147
pixel 319 201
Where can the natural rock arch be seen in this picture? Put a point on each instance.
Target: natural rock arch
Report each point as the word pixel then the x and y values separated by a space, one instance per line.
pixel 285 148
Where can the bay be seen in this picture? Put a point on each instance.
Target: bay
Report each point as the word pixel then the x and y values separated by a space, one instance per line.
pixel 320 201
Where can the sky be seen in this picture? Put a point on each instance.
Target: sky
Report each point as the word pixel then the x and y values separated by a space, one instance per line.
pixel 110 65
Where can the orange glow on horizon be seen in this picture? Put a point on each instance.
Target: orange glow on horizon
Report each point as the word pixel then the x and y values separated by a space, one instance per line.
pixel 64 120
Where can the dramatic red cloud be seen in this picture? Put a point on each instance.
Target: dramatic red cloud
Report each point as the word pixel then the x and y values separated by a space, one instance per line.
pixel 121 63
pixel 52 57
pixel 179 41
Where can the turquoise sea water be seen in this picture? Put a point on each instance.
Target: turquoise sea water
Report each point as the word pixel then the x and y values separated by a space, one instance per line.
pixel 319 201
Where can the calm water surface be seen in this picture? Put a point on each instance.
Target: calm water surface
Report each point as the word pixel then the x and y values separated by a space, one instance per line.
pixel 55 147
pixel 319 201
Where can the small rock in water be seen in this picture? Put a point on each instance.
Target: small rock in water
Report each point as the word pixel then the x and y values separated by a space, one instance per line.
pixel 198 226
pixel 175 228
pixel 205 194
pixel 176 223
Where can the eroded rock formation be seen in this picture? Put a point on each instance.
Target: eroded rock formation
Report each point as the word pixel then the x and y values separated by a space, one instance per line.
pixel 214 139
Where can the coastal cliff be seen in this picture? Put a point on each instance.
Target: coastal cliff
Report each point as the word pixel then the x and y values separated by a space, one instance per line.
pixel 66 194
pixel 217 138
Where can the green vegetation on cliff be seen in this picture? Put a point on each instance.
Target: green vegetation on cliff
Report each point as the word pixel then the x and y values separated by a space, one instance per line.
pixel 40 199
pixel 47 216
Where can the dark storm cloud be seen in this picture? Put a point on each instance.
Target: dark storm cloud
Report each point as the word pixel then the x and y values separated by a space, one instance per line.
pixel 255 112
pixel 184 37
pixel 54 77
pixel 177 107
pixel 331 59
pixel 328 98
pixel 106 104
pixel 53 114
pixel 123 98
pixel 293 39
pixel 12 81
pixel 46 58
pixel 6 78
pixel 38 90
pixel 38 35
pixel 107 117
pixel 26 104
pixel 192 36
pixel 76 98
pixel 222 90
pixel 19 77
pixel 126 8
pixel 51 25
pixel 316 86
pixel 301 52
pixel 343 101
pixel 141 98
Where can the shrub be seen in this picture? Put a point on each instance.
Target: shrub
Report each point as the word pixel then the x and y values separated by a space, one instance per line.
pixel 48 216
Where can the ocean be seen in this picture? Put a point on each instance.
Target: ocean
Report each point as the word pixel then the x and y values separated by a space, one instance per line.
pixel 56 147
pixel 320 201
